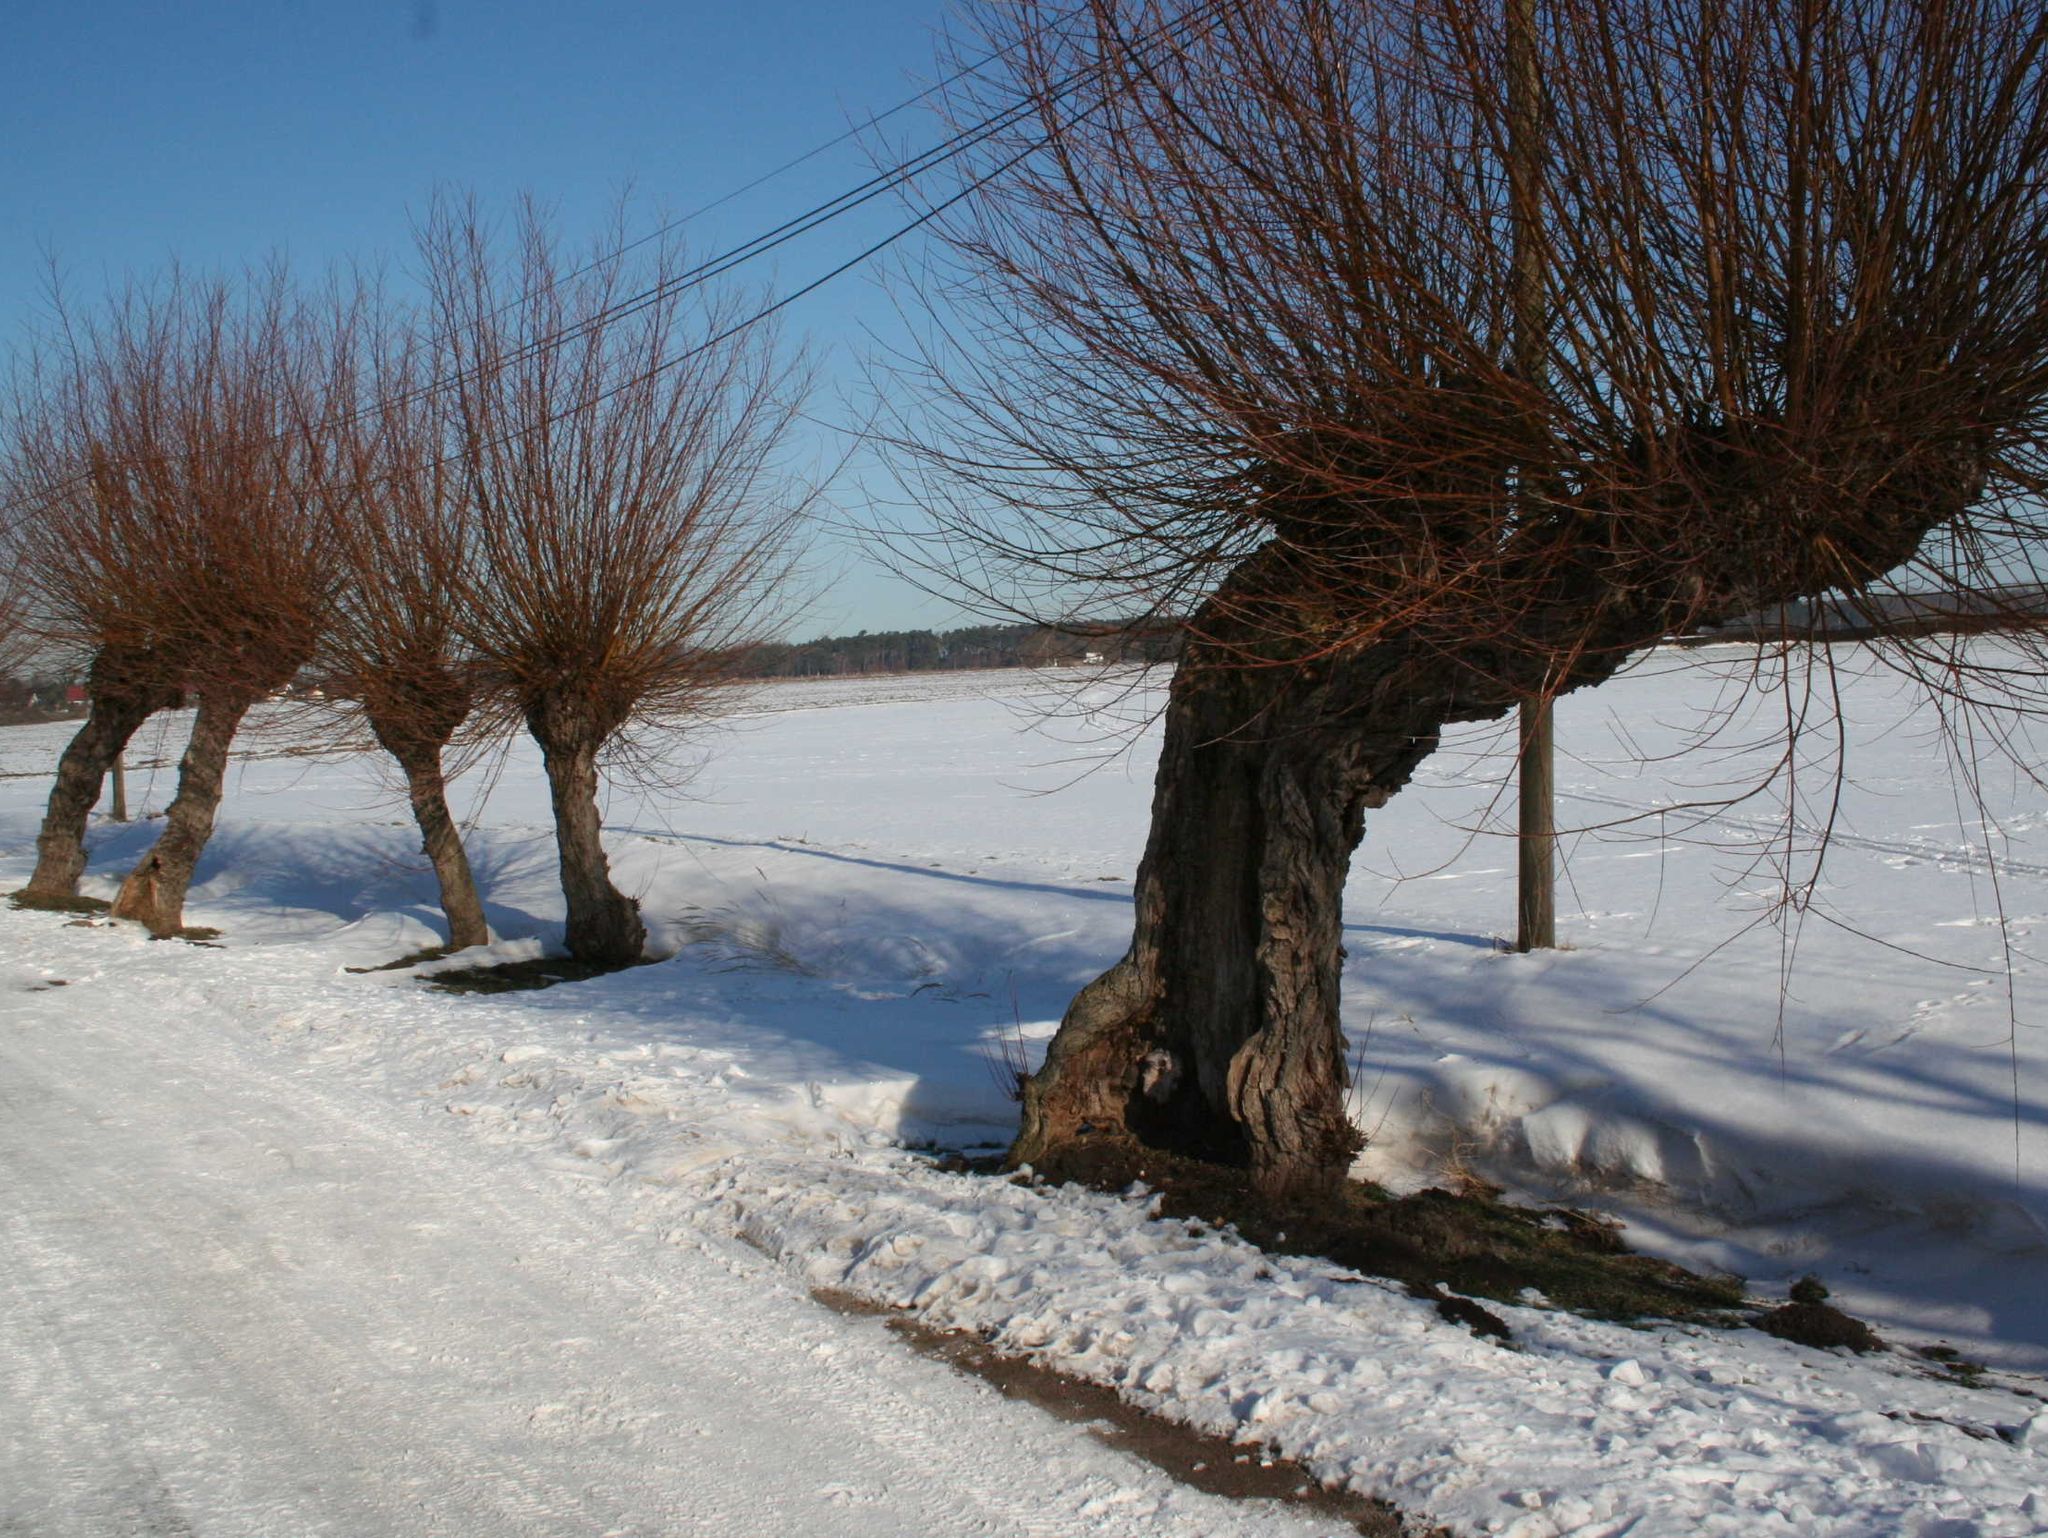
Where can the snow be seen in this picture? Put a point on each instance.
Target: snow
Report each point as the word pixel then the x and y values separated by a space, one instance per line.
pixel 881 893
pixel 239 1295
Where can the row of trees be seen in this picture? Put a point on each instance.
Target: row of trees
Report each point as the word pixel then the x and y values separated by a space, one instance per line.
pixel 1416 360
pixel 525 500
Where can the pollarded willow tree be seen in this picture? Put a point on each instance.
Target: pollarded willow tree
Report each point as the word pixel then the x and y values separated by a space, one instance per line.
pixel 169 497
pixel 620 431
pixel 393 648
pixel 95 586
pixel 217 458
pixel 1233 342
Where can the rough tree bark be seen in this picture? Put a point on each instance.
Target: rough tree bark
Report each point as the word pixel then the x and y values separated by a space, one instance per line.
pixel 154 893
pixel 603 923
pixel 1217 1035
pixel 121 698
pixel 416 738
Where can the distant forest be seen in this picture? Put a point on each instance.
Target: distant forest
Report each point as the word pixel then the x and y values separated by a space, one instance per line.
pixel 1037 646
pixel 975 646
pixel 42 695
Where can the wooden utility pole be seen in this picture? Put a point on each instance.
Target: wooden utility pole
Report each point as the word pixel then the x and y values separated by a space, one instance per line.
pixel 119 810
pixel 1535 884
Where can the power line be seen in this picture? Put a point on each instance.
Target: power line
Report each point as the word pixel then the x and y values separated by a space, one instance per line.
pixel 791 229
pixel 882 182
pixel 872 119
pixel 890 179
pixel 980 132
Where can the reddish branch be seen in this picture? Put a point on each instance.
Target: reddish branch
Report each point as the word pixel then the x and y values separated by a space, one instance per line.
pixel 234 484
pixel 100 567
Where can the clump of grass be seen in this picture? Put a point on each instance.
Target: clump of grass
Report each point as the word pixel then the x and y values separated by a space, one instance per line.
pixel 748 941
pixel 1470 1240
pixel 1953 1363
pixel 1010 1063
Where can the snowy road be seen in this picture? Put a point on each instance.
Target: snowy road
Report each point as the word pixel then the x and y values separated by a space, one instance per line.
pixel 238 1298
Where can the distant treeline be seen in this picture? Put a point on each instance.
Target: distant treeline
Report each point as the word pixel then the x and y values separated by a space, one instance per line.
pixel 975 646
pixel 2015 607
pixel 1038 646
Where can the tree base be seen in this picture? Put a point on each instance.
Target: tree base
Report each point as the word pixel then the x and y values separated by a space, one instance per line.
pixel 32 901
pixel 119 707
pixel 154 893
pixel 1471 1242
pixel 603 925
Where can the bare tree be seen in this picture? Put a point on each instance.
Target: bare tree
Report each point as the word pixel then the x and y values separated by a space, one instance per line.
pixel 177 527
pixel 98 569
pixel 393 645
pixel 230 461
pixel 1240 349
pixel 620 433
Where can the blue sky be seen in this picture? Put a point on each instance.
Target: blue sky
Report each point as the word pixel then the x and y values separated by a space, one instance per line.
pixel 219 131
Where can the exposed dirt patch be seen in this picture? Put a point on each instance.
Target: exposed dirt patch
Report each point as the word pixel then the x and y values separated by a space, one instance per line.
pixel 1820 1325
pixel 410 959
pixel 1208 1463
pixel 525 976
pixel 193 934
pixel 1472 1242
pixel 44 902
pixel 1955 1365
pixel 97 907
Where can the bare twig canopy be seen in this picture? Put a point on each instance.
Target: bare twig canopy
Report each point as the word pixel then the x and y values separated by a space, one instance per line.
pixel 631 525
pixel 393 651
pixel 1235 343
pixel 174 497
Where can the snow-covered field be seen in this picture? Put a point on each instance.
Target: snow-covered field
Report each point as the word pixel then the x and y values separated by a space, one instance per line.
pixel 876 887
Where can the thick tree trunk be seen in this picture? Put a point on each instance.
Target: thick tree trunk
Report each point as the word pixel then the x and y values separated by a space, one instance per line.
pixel 118 709
pixel 419 756
pixel 603 923
pixel 154 893
pixel 1218 1033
